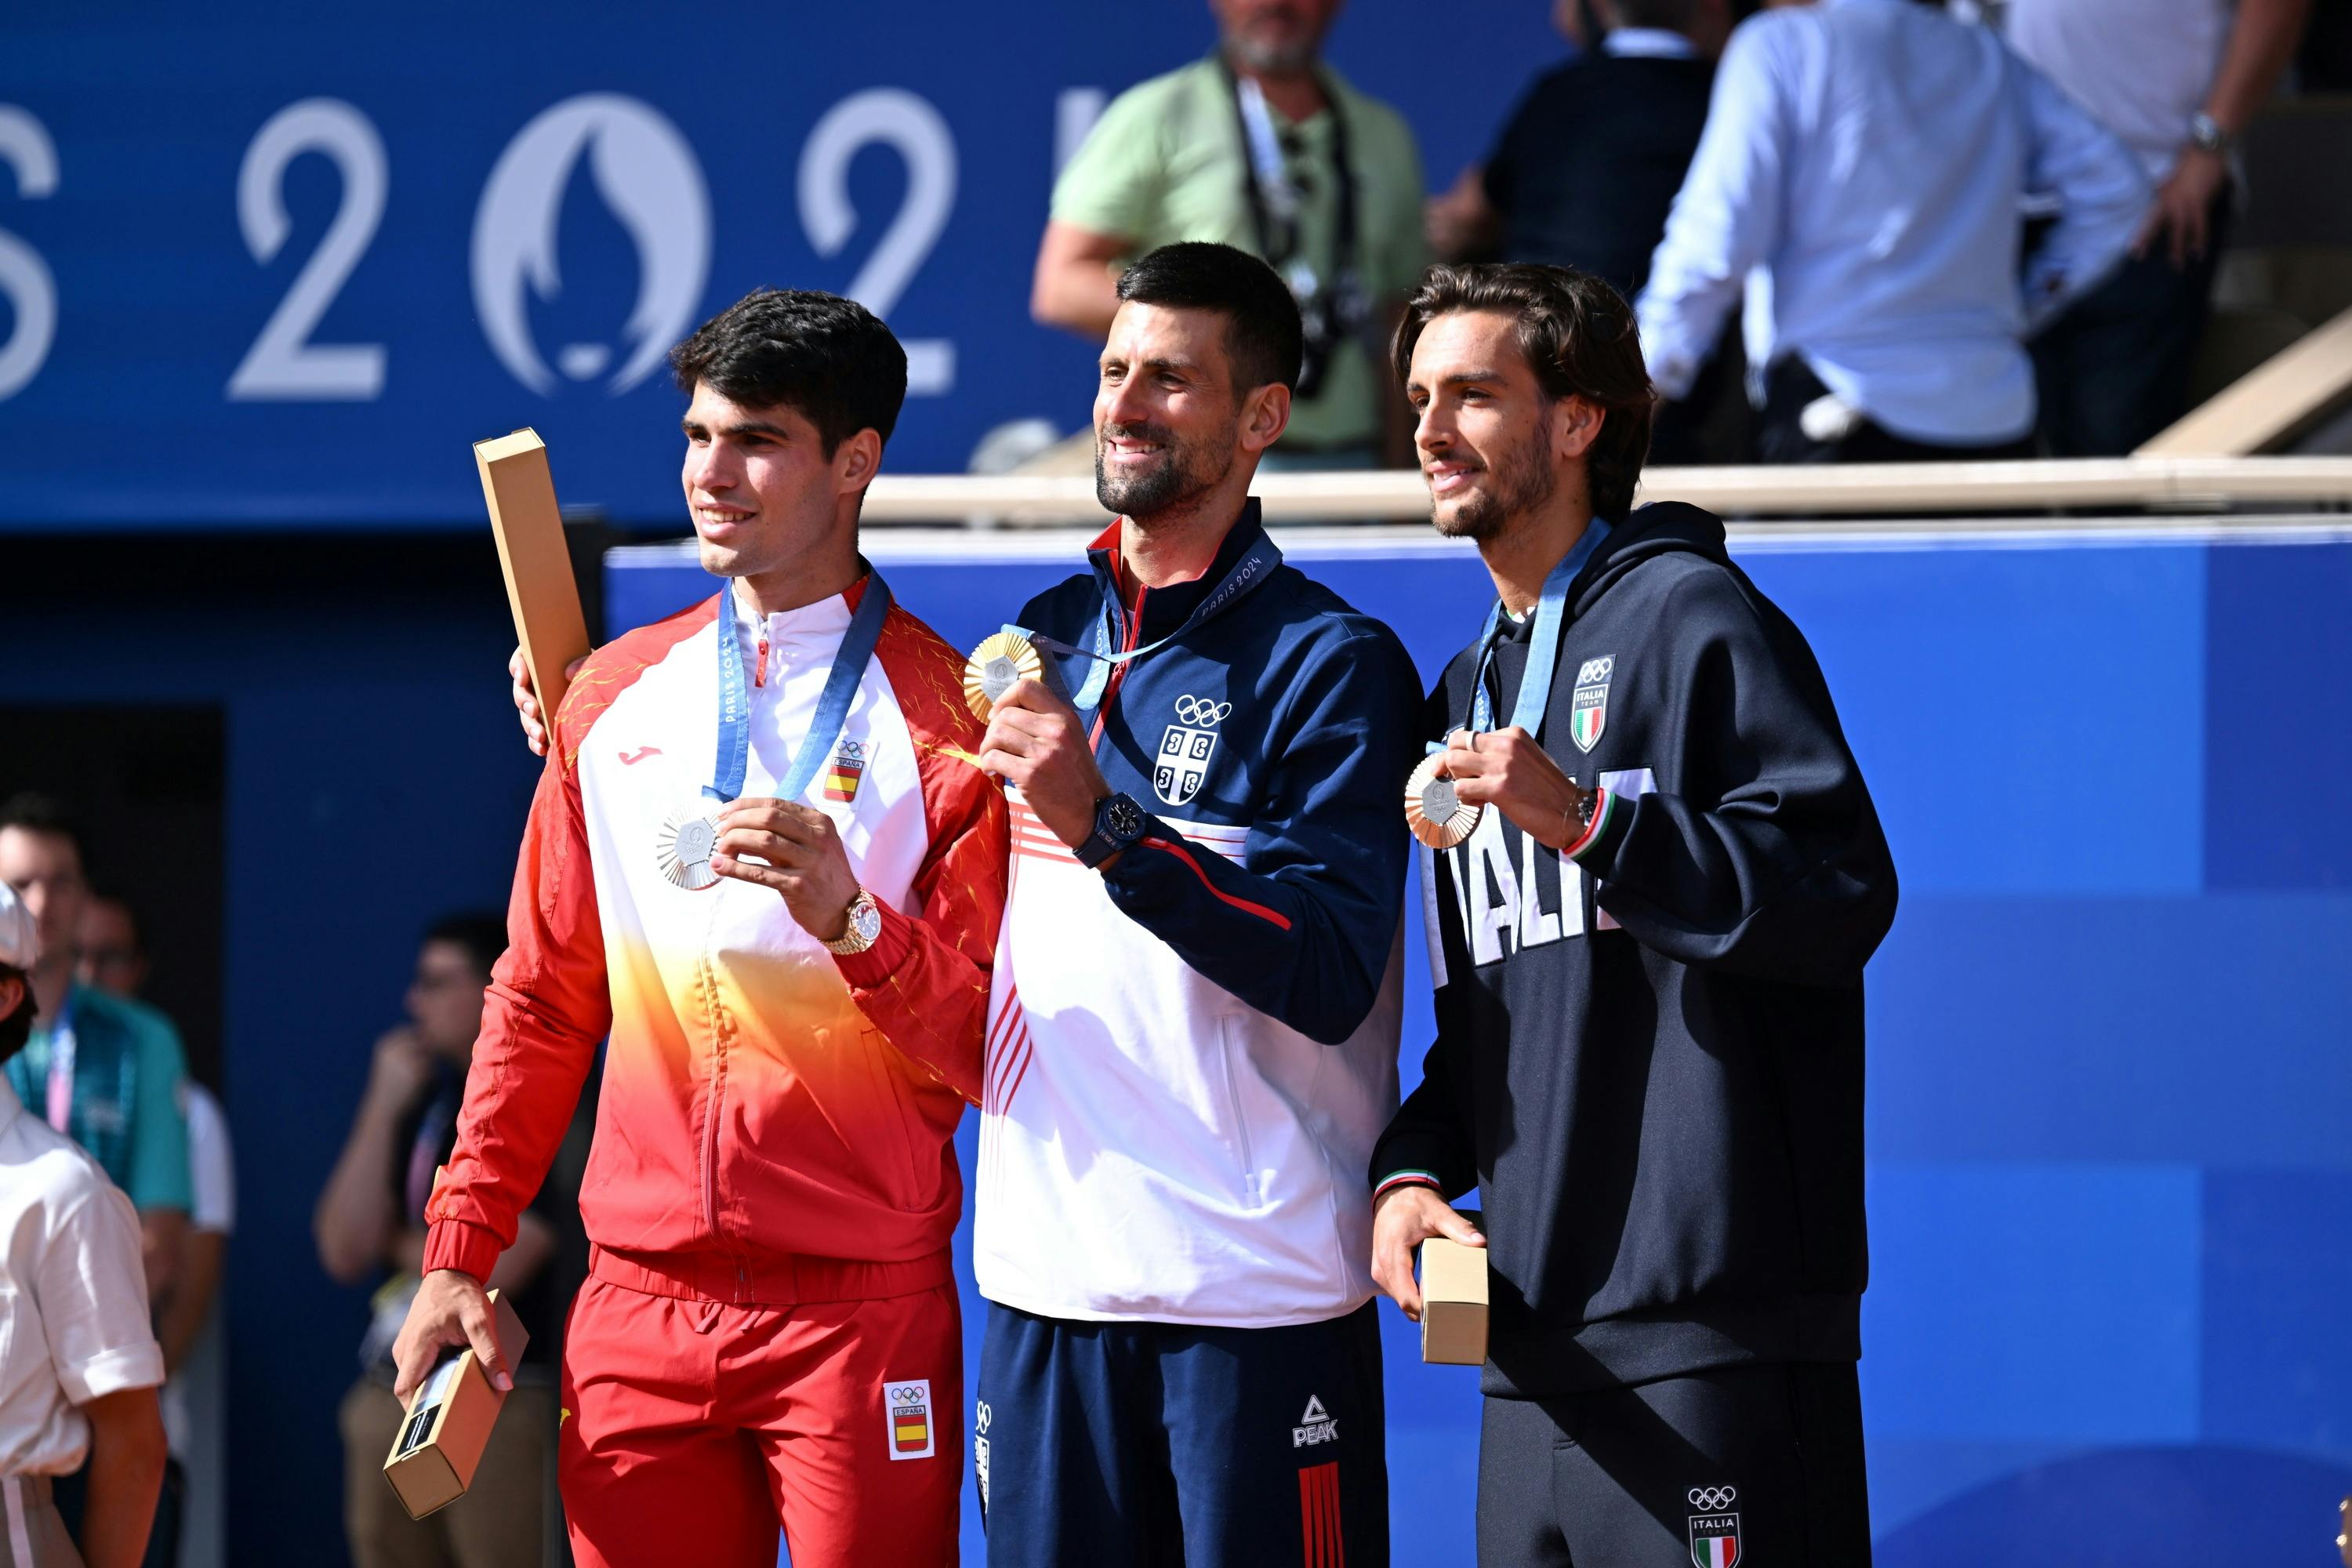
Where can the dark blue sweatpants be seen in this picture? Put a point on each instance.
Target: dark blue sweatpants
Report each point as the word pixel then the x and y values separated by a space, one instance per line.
pixel 1164 1444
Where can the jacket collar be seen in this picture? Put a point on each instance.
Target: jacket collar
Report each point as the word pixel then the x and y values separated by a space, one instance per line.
pixel 1167 608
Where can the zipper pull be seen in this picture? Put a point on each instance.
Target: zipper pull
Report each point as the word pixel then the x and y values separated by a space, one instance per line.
pixel 760 671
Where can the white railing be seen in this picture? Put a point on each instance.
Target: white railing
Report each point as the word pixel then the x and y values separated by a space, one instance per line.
pixel 2205 484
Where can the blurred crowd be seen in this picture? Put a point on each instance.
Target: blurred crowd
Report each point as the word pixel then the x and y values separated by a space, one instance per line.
pixel 1854 230
pixel 121 1397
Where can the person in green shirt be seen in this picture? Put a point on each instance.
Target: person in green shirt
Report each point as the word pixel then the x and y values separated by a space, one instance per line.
pixel 1264 147
pixel 104 1070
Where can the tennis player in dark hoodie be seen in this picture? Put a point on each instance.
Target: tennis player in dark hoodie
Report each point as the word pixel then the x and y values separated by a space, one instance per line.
pixel 1648 954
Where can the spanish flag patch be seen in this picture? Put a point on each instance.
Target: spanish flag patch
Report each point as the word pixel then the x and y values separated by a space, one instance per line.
pixel 848 766
pixel 907 1405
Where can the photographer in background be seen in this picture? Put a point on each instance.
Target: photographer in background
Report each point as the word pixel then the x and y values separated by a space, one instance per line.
pixel 1260 147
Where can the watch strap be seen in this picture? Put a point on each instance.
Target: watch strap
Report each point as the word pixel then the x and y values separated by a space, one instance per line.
pixel 1103 843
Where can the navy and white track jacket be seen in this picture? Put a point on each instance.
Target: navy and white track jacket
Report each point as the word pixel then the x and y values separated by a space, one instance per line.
pixel 1190 1055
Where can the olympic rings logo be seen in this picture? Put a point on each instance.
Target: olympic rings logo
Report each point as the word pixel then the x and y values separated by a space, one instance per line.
pixel 1200 711
pixel 1713 1500
pixel 913 1393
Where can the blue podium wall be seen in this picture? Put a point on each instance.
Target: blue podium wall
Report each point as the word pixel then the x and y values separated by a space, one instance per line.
pixel 2111 1180
pixel 2111 1158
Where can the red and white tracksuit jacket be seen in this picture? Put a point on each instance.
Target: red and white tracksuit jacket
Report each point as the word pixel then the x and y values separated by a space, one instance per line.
pixel 776 1122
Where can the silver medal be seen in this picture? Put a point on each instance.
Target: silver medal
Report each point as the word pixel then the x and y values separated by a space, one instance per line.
pixel 688 837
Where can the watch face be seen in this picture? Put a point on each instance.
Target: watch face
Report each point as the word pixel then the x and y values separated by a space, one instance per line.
pixel 1122 818
pixel 865 920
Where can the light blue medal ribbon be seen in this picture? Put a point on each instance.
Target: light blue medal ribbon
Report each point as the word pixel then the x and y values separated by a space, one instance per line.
pixel 849 662
pixel 1251 572
pixel 688 839
pixel 1543 652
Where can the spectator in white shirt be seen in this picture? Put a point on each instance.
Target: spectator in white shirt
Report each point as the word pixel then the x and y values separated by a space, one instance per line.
pixel 79 1366
pixel 2178 81
pixel 188 1518
pixel 1868 162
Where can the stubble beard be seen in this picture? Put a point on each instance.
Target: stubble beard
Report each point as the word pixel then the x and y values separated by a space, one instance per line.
pixel 1184 471
pixel 1524 483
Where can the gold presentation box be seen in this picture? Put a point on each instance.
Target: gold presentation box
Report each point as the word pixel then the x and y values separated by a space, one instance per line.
pixel 1452 1302
pixel 540 589
pixel 440 1441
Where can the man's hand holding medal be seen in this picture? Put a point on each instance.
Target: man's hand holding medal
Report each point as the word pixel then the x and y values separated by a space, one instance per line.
pixel 1507 770
pixel 802 855
pixel 1037 743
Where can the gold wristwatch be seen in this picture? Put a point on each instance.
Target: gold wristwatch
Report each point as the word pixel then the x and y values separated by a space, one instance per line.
pixel 864 927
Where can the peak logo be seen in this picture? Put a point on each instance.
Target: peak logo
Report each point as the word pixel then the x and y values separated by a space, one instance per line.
pixel 647 177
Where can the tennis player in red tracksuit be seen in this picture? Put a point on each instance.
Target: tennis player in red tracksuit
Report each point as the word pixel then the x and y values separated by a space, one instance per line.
pixel 769 1336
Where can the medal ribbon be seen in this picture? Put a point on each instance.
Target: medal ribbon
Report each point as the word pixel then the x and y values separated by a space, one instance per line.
pixel 1543 653
pixel 832 708
pixel 60 1097
pixel 1248 573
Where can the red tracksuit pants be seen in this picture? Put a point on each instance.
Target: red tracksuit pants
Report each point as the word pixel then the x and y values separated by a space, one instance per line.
pixel 694 1430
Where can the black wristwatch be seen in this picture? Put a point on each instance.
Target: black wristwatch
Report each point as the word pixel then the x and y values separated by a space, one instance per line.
pixel 1119 822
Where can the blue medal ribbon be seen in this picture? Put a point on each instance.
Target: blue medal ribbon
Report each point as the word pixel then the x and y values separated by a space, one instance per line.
pixel 849 662
pixel 1249 572
pixel 1543 653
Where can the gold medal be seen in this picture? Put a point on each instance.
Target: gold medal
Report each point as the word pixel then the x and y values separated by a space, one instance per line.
pixel 1434 810
pixel 687 838
pixel 995 666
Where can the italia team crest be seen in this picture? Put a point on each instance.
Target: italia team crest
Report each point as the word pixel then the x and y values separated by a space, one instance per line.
pixel 1588 707
pixel 1715 1536
pixel 1185 748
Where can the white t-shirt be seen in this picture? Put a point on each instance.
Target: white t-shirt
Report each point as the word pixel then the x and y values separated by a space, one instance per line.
pixel 73 1295
pixel 212 1179
pixel 212 1173
pixel 2140 68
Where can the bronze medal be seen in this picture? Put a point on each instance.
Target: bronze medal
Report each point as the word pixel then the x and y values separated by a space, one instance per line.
pixel 1434 810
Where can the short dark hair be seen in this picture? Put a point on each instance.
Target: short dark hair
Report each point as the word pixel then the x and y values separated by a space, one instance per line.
pixel 482 935
pixel 16 1028
pixel 1673 16
pixel 829 359
pixel 1264 339
pixel 1580 340
pixel 31 812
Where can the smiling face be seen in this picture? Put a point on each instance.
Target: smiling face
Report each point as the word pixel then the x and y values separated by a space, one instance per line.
pixel 764 494
pixel 1492 446
pixel 1167 420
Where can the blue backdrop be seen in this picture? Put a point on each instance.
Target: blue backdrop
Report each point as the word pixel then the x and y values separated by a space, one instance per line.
pixel 287 262
pixel 2110 1178
pixel 2108 1064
